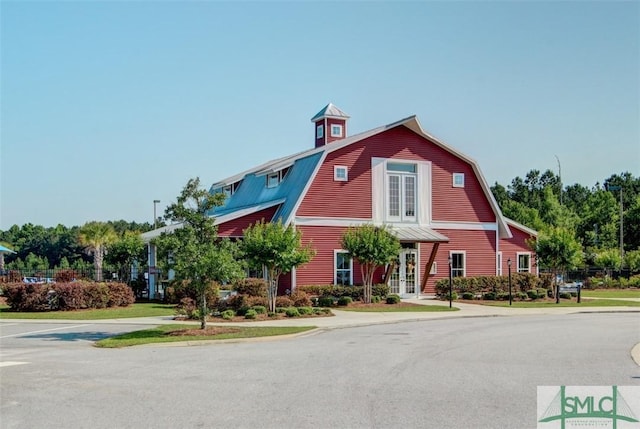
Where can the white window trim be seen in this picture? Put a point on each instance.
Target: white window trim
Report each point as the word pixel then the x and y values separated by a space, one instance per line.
pixel 464 260
pixel 454 177
pixel 335 268
pixel 518 262
pixel 277 176
pixel 402 218
pixel 319 131
pixel 335 173
pixel 499 263
pixel 336 134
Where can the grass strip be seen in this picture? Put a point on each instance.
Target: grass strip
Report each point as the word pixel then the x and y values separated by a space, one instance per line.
pixel 134 310
pixel 563 303
pixel 179 333
pixel 626 293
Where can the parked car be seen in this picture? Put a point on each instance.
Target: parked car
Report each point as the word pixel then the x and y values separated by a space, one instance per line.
pixel 570 287
pixel 38 280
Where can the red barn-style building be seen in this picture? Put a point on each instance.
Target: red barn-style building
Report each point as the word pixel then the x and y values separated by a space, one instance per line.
pixel 433 197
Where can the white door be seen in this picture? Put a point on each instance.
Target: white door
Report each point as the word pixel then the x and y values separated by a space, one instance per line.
pixel 404 277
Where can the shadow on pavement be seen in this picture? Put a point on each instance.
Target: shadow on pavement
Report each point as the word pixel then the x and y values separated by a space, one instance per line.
pixel 71 336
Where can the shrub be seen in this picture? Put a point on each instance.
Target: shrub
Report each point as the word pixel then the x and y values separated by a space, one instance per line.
pixel 228 314
pixel 502 296
pixel 565 295
pixel 325 301
pixel 533 294
pixel 188 308
pixel 70 295
pixel 96 295
pixel 381 290
pixel 292 312
pixel 375 299
pixel 235 302
pixel 120 295
pixel 259 301
pixel 543 293
pixel 305 310
pixel 250 314
pixel 344 301
pixel 251 287
pixel 300 298
pixel 272 314
pixel 280 310
pixel 522 296
pixel 454 296
pixel 284 301
pixel 65 276
pixel 489 296
pixel 468 295
pixel 260 309
pixel 180 289
pixel 26 296
pixel 393 299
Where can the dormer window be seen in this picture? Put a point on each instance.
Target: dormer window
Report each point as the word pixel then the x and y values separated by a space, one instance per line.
pixel 274 179
pixel 336 130
pixel 320 131
pixel 231 189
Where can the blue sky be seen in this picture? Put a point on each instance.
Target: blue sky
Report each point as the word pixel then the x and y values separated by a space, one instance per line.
pixel 106 106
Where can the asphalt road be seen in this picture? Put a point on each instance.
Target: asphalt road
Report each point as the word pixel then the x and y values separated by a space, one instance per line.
pixel 455 373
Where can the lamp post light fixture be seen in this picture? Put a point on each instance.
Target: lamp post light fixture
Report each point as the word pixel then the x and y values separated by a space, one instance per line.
pixel 450 283
pixel 510 295
pixel 155 218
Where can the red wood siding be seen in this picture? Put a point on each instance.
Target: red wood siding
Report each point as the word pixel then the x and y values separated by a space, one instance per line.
pixel 479 248
pixel 234 228
pixel 328 198
pixel 511 246
pixel 320 270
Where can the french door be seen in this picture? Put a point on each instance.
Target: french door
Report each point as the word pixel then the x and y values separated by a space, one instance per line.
pixel 404 277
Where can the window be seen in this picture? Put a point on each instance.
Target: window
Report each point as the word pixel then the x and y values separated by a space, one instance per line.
pixel 524 262
pixel 231 189
pixel 319 131
pixel 499 263
pixel 274 179
pixel 434 268
pixel 340 173
pixel 457 264
pixel 458 180
pixel 336 130
pixel 343 268
pixel 401 191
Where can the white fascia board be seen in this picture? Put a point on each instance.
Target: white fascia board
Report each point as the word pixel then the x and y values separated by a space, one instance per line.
pixel 150 235
pixel 296 206
pixel 469 226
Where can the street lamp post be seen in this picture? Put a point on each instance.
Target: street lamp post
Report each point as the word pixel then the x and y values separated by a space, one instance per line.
pixel 450 283
pixel 510 296
pixel 155 218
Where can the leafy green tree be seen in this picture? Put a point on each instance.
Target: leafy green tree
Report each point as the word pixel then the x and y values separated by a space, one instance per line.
pixel 558 249
pixel 197 255
pixel 608 259
pixel 96 237
pixel 372 246
pixel 632 225
pixel 599 220
pixel 632 260
pixel 125 252
pixel 276 247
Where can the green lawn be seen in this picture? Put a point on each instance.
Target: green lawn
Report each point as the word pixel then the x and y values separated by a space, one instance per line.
pixel 134 310
pixel 162 334
pixel 613 293
pixel 386 308
pixel 563 303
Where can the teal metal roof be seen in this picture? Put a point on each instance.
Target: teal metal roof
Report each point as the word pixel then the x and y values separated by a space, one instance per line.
pixel 253 190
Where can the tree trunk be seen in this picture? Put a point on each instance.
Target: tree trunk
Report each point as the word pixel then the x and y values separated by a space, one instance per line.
pixel 203 309
pixel 1 261
pixel 98 255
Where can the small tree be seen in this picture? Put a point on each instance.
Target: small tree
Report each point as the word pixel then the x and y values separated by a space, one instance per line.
pixel 608 259
pixel 632 260
pixel 124 252
pixel 558 249
pixel 372 247
pixel 96 237
pixel 196 253
pixel 276 247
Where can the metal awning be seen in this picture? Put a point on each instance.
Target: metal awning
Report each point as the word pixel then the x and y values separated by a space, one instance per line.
pixel 418 233
pixel 5 249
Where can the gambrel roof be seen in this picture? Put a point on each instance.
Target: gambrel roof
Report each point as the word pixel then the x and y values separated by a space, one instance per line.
pixel 252 195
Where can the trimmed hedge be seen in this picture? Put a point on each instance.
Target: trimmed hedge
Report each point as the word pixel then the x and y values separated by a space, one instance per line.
pixel 67 296
pixel 356 293
pixel 520 282
pixel 251 286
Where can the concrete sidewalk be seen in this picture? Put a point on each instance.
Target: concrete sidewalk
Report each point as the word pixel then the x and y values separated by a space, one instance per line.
pixel 344 319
